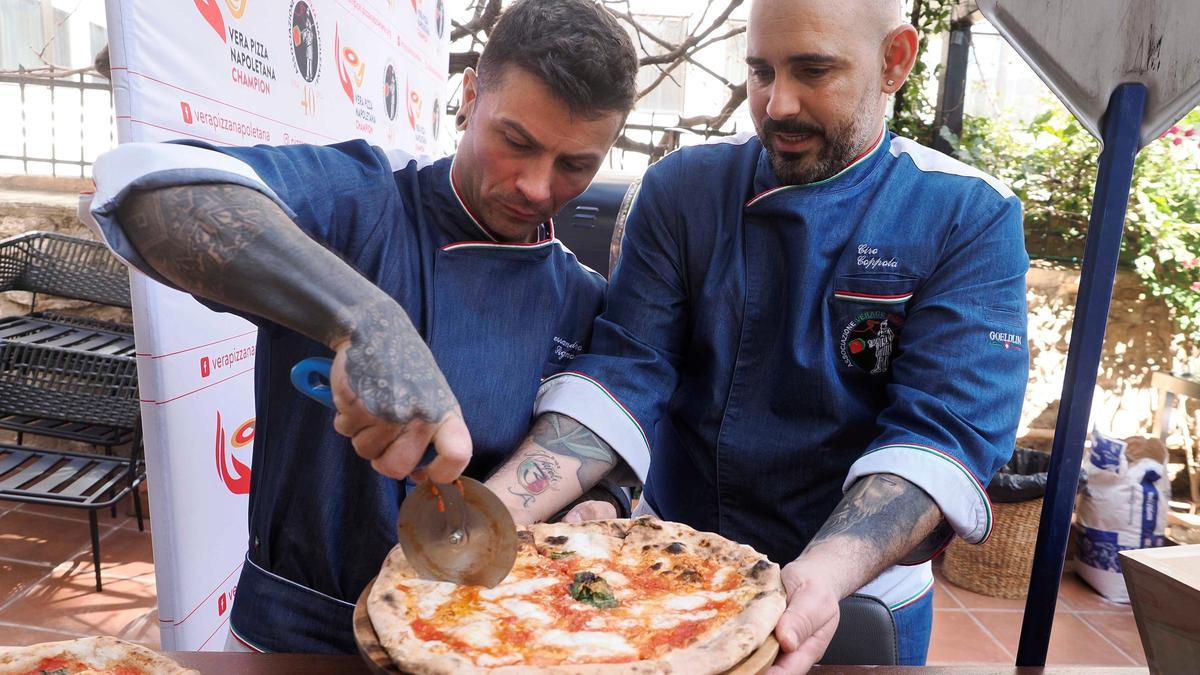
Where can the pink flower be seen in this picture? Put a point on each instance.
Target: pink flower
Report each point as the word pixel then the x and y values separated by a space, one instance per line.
pixel 1190 132
pixel 1173 130
pixel 1177 141
pixel 1196 286
pixel 1189 264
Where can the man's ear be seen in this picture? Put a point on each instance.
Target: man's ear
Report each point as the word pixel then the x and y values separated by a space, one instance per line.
pixel 470 96
pixel 899 55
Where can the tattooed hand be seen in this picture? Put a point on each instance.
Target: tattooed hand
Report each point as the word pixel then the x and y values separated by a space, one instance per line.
pixel 392 400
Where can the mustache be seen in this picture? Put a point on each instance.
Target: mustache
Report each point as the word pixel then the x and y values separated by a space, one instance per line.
pixel 771 126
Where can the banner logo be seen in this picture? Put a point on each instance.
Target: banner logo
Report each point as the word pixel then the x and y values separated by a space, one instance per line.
pixel 237 7
pixel 308 101
pixel 414 104
pixel 236 480
pixel 439 18
pixel 205 367
pixel 306 54
pixel 390 93
pixel 212 14
pixel 187 112
pixel 342 58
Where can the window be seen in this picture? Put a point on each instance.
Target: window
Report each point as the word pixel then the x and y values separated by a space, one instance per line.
pixel 668 95
pixel 20 33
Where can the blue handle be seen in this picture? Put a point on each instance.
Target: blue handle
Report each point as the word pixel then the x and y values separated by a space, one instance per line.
pixel 311 378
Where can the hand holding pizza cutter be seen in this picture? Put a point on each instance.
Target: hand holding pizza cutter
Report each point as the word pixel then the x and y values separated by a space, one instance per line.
pixel 458 532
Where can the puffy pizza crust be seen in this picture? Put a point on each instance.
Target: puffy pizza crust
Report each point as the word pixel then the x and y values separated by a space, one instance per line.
pixel 714 652
pixel 99 652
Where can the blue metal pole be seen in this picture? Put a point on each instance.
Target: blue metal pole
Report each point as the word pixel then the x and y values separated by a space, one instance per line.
pixel 1122 123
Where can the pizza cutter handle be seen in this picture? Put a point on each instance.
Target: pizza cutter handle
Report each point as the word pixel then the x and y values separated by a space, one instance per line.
pixel 311 378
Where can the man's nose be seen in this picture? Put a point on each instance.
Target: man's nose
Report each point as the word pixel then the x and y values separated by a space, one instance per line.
pixel 784 102
pixel 534 182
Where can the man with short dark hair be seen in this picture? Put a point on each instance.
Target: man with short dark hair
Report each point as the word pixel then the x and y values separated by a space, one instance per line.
pixel 390 263
pixel 816 328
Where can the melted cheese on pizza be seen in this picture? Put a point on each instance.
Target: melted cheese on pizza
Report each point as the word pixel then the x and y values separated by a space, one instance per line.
pixel 636 604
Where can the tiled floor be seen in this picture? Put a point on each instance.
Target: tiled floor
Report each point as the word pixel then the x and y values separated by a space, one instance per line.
pixel 47 593
pixel 47 584
pixel 969 628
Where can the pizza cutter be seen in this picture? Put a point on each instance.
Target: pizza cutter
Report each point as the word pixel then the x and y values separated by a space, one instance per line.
pixel 459 532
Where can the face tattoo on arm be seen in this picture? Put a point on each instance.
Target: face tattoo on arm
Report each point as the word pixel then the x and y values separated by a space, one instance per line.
pixel 540 472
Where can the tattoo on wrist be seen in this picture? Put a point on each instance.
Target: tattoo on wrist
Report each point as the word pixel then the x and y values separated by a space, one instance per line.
pixel 536 474
pixel 887 513
pixel 564 436
pixel 391 369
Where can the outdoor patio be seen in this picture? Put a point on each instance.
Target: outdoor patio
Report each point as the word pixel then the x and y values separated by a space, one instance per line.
pixel 47 593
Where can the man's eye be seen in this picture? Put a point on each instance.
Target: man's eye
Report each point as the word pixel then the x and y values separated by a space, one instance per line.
pixel 815 72
pixel 761 74
pixel 515 144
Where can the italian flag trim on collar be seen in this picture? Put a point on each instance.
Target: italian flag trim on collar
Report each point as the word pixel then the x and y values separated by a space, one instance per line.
pixel 857 160
pixel 874 298
pixel 492 240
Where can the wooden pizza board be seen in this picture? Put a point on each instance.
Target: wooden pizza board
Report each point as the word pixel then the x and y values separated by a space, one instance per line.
pixel 379 662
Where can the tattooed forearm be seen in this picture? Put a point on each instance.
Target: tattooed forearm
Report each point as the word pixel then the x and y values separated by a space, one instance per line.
pixel 880 521
pixel 559 461
pixel 564 436
pixel 231 244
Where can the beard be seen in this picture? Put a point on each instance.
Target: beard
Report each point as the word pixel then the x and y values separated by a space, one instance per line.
pixel 839 147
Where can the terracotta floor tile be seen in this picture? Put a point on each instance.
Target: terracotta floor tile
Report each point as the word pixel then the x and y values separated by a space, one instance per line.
pixel 144 630
pixel 1121 629
pixel 1072 641
pixel 20 636
pixel 71 604
pixel 957 639
pixel 15 577
pixel 1077 595
pixel 972 600
pixel 943 596
pixel 36 538
pixel 124 554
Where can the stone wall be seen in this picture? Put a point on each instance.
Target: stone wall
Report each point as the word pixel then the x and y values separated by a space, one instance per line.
pixel 1140 339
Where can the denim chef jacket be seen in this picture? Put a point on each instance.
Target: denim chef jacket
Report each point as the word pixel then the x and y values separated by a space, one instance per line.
pixel 774 343
pixel 498 318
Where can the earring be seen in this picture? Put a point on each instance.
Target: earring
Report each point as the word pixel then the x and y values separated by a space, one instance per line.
pixel 460 120
pixel 891 83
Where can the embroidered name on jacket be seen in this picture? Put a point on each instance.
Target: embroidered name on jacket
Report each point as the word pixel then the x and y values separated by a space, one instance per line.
pixel 869 259
pixel 566 351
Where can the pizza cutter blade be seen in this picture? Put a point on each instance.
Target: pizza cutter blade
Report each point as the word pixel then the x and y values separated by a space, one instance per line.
pixel 459 532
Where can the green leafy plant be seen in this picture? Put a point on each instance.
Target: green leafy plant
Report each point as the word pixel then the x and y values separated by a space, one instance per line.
pixel 1051 164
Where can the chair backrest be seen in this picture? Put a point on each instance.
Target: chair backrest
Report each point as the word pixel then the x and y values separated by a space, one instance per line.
pixel 68 267
pixel 865 636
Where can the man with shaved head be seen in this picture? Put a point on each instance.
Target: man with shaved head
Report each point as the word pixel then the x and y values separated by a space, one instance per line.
pixel 817 330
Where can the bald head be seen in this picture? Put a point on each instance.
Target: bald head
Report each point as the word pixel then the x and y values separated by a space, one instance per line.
pixel 819 76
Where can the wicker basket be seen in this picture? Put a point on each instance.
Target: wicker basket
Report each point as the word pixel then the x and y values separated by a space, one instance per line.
pixel 1000 566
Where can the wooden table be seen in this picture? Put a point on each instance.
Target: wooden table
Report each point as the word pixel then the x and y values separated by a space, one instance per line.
pixel 307 664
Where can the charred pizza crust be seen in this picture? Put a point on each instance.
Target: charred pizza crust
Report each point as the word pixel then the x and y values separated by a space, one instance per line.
pixel 659 572
pixel 99 653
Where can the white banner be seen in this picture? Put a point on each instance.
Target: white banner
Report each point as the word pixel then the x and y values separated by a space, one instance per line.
pixel 244 72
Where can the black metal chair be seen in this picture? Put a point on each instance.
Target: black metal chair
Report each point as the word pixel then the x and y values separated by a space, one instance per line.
pixel 68 377
pixel 75 480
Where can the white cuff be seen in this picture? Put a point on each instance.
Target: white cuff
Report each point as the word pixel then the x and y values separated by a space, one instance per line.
pixel 142 166
pixel 959 495
pixel 587 401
